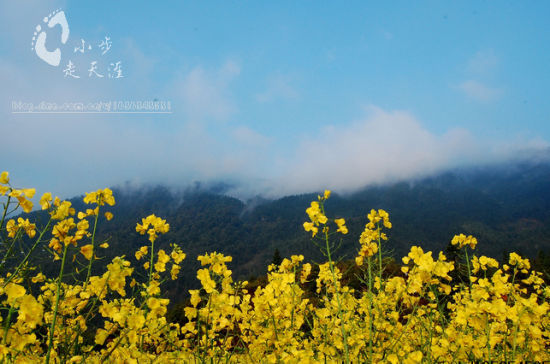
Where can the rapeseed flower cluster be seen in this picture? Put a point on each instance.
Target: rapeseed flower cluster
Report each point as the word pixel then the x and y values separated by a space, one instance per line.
pixel 153 226
pixel 372 236
pixel 21 195
pixel 463 240
pixel 420 315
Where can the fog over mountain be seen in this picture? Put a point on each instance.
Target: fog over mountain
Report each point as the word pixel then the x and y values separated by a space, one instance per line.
pixel 507 207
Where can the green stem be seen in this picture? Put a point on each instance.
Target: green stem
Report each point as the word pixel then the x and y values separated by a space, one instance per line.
pixel 340 315
pixel 273 321
pixel 488 332
pixel 6 205
pixel 7 326
pixel 52 328
pixel 379 252
pixel 90 312
pixel 468 265
pixel 514 340
pixel 28 254
pixel 211 340
pixel 293 300
pixel 369 262
pixel 151 261
pixel 10 250
pixel 93 250
pixel 122 336
pixel 276 332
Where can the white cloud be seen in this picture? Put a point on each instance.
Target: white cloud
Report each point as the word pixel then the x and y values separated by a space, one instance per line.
pixel 385 146
pixel 479 91
pixel 483 62
pixel 249 137
pixel 204 94
pixel 481 68
pixel 278 87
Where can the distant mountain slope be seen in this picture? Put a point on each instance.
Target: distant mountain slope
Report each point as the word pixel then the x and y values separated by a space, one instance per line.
pixel 506 207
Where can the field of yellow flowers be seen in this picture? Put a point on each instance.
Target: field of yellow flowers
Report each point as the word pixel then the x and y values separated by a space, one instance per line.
pixel 499 313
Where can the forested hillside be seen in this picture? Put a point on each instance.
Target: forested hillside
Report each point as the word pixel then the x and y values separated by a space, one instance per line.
pixel 506 208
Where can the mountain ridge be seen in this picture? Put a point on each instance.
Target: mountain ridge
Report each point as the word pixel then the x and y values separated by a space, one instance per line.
pixel 507 209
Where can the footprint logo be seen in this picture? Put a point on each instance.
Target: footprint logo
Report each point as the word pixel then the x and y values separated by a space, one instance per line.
pixel 39 37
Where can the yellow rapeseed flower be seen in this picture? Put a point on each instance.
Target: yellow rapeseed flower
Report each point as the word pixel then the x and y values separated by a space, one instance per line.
pixel 309 226
pixel 174 271
pixel 14 291
pixel 46 200
pixel 208 284
pixel 87 251
pixel 157 224
pixel 100 197
pixel 162 259
pixel 4 177
pixel 341 226
pixel 141 252
pixel 29 192
pixel 463 240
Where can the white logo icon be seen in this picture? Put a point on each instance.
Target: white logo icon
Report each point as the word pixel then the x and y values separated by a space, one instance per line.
pixel 39 38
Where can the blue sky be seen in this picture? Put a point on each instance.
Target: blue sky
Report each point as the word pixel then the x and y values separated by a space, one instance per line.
pixel 283 97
